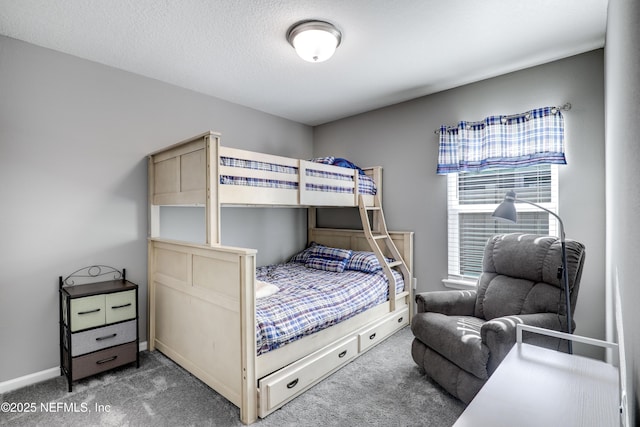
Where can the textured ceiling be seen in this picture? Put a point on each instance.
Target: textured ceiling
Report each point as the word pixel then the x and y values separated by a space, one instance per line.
pixel 391 51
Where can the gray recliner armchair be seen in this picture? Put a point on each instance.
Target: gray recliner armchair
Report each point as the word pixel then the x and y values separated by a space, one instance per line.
pixel 462 336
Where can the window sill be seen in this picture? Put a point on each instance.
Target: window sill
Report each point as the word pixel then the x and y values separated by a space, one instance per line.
pixel 465 284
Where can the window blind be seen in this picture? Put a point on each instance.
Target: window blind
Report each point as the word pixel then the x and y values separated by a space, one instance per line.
pixel 472 198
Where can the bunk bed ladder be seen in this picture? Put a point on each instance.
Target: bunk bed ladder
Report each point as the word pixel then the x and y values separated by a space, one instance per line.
pixel 378 237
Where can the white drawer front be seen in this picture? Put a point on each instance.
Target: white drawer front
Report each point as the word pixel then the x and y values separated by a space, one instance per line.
pixel 373 335
pixel 97 339
pixel 121 306
pixel 87 312
pixel 281 386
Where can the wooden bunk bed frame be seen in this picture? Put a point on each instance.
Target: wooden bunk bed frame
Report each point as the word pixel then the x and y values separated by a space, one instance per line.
pixel 202 296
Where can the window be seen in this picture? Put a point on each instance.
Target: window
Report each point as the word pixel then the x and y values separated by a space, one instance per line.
pixel 472 198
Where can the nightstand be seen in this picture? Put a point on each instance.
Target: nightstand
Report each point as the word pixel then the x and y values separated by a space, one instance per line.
pixel 98 323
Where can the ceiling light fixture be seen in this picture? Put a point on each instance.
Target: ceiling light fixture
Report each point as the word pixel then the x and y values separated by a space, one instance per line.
pixel 314 41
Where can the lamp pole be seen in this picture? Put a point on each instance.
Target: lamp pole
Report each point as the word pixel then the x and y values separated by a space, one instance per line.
pixel 510 197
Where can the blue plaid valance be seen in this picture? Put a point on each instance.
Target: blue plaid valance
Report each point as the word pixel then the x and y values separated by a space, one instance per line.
pixel 531 138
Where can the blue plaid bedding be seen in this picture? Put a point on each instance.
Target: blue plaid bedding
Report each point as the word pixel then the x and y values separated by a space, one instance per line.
pixel 258 182
pixel 310 300
pixel 254 164
pixel 366 183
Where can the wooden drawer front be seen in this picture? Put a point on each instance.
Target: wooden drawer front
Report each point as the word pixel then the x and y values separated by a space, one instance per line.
pixel 121 306
pixel 373 335
pixel 283 385
pixel 87 312
pixel 97 339
pixel 93 363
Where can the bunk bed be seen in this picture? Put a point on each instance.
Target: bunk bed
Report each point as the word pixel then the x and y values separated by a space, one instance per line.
pixel 203 310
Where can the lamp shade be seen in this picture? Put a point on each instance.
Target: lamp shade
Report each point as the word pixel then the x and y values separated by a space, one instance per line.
pixel 507 209
pixel 314 41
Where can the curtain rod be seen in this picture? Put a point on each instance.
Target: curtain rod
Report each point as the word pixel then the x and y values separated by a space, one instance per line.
pixel 565 107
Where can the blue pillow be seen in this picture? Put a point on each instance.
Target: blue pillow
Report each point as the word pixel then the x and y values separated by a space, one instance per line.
pixel 326 264
pixel 365 262
pixel 327 252
pixel 339 161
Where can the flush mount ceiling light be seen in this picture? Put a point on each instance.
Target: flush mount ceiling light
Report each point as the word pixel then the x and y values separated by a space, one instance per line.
pixel 314 41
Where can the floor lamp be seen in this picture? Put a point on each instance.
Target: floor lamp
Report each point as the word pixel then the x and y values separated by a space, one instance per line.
pixel 507 211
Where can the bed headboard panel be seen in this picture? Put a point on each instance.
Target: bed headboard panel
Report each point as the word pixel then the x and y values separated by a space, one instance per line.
pixel 356 240
pixel 178 175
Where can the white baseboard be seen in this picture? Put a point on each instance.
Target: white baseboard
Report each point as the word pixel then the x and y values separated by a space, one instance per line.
pixel 16 383
pixel 36 377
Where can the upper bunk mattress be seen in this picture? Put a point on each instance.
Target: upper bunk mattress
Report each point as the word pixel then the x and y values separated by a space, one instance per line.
pixel 366 184
pixel 310 300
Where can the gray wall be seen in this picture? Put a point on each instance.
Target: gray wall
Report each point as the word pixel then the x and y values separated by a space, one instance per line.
pixel 622 61
pixel 242 227
pixel 401 139
pixel 73 140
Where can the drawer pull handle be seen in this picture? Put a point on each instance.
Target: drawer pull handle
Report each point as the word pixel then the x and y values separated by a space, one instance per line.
pixel 343 354
pixel 100 362
pixel 293 383
pixel 372 336
pixel 113 307
pixel 400 320
pixel 89 311
pixel 106 337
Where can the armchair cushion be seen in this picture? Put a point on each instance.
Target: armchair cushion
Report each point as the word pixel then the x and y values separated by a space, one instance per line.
pixel 503 296
pixel 456 338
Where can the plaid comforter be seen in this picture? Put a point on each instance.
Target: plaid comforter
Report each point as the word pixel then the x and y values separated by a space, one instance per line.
pixel 310 300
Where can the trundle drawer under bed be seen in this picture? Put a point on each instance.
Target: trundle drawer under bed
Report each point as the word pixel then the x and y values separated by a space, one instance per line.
pixel 283 385
pixel 371 336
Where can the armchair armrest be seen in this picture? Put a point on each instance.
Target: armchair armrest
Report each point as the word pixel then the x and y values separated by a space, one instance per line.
pixel 460 303
pixel 499 334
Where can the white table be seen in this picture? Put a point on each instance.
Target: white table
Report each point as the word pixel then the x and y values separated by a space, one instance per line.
pixel 535 386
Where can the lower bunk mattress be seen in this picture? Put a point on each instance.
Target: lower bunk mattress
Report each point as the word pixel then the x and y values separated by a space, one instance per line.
pixel 304 300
